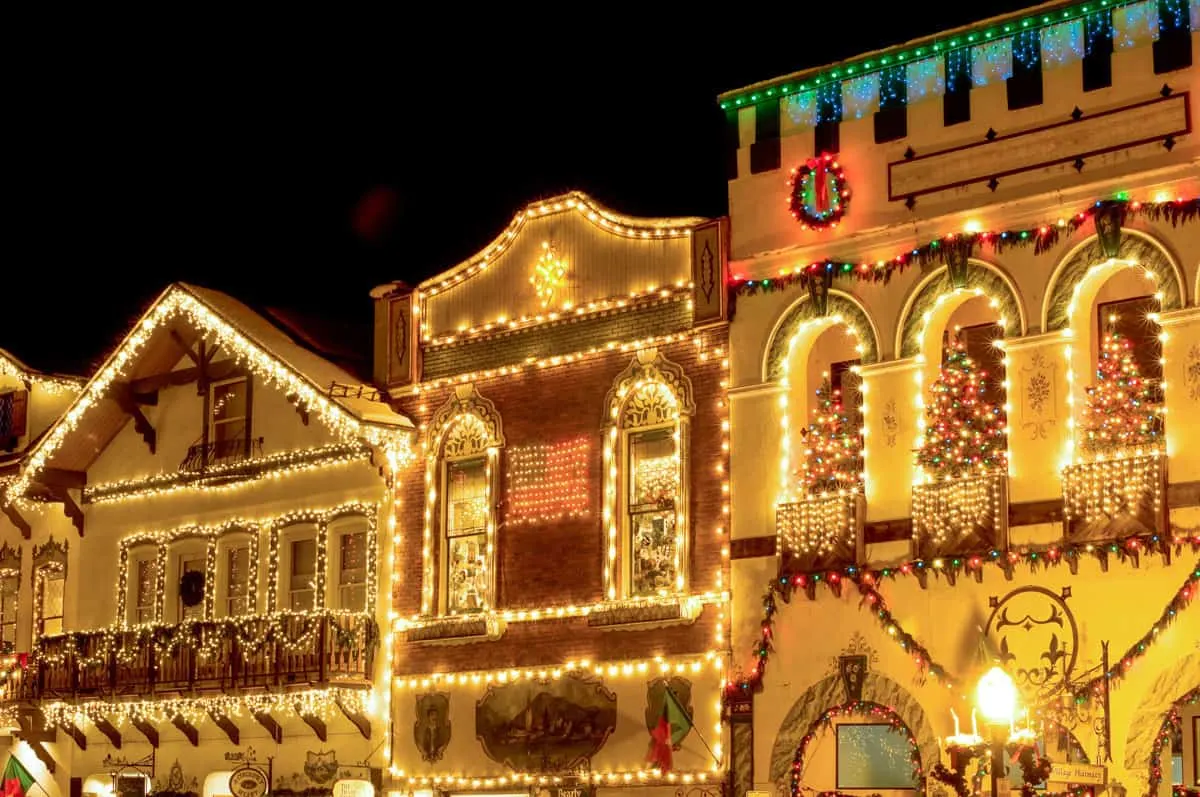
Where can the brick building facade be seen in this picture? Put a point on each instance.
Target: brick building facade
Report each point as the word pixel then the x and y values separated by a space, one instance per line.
pixel 561 545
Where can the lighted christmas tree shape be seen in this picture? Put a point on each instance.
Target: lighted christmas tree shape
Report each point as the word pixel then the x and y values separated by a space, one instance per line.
pixel 1121 412
pixel 964 432
pixel 833 447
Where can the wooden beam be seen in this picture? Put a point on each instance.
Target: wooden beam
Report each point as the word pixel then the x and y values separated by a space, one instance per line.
pixel 147 730
pixel 14 517
pixel 187 729
pixel 57 477
pixel 108 729
pixel 43 755
pixel 75 733
pixel 316 723
pixel 185 376
pixel 273 728
pixel 141 423
pixel 357 718
pixel 70 508
pixel 185 348
pixel 226 724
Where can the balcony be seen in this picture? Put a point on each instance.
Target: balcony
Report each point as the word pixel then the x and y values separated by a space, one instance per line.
pixel 1113 498
pixel 959 517
pixel 203 456
pixel 820 532
pixel 252 652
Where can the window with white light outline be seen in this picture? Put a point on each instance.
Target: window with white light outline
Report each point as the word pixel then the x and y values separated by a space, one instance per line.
pixel 143 584
pixel 649 453
pixel 229 418
pixel 50 582
pixel 235 588
pixel 10 586
pixel 348 541
pixel 186 554
pixel 467 517
pixel 297 573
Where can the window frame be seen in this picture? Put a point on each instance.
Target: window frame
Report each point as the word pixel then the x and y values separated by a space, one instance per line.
pixel 13 575
pixel 49 571
pixel 628 513
pixel 192 547
pixel 488 530
pixel 337 530
pixel 1150 365
pixel 211 423
pixel 145 551
pixel 287 536
pixel 228 542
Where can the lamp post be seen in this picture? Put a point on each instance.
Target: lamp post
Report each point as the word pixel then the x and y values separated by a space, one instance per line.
pixel 996 697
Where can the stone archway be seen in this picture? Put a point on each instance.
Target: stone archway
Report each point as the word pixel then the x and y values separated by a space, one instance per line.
pixel 1136 247
pixel 982 277
pixel 1170 685
pixel 852 313
pixel 829 692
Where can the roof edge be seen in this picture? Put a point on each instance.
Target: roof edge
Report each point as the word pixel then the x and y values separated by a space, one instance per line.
pixel 572 201
pixel 939 43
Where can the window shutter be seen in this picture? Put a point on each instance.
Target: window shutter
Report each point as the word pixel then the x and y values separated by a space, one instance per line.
pixel 20 404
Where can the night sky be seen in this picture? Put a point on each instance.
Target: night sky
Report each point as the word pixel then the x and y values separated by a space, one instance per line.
pixel 302 167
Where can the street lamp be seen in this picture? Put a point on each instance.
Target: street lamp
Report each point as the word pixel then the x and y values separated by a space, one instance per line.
pixel 996 697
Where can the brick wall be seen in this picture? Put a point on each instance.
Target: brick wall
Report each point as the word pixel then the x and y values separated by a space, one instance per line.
pixel 560 563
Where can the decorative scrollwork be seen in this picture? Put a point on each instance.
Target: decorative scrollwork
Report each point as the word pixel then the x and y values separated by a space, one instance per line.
pixel 650 391
pixel 466 424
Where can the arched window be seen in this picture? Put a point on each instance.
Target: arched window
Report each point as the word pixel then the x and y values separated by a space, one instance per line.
pixel 49 588
pixel 646 484
pixel 461 477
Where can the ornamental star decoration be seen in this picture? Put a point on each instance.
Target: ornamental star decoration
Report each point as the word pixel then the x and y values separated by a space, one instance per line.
pixel 549 274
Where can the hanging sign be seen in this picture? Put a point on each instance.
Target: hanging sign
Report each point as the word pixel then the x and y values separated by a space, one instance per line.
pixel 353 788
pixel 1079 774
pixel 248 782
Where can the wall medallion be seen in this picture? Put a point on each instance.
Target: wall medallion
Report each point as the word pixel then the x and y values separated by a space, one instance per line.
pixel 549 275
pixel 1035 636
pixel 431 731
pixel 546 726
pixel 891 423
pixel 321 767
pixel 1038 396
pixel 656 698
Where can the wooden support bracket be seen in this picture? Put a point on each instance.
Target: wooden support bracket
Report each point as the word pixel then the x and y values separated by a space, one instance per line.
pixel 70 508
pixel 70 729
pixel 273 728
pixel 14 517
pixel 187 729
pixel 43 755
pixel 141 424
pixel 185 348
pixel 147 730
pixel 316 723
pixel 108 729
pixel 360 721
pixel 229 726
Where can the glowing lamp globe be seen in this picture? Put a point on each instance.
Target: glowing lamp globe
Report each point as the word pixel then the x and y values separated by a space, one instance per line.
pixel 996 697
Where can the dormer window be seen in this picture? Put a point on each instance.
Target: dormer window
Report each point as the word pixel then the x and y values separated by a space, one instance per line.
pixel 229 419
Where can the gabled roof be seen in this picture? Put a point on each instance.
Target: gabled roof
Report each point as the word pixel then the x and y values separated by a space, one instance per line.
pixel 55 383
pixel 573 202
pixel 180 317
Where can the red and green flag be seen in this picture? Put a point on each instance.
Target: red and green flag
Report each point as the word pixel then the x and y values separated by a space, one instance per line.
pixel 17 779
pixel 669 733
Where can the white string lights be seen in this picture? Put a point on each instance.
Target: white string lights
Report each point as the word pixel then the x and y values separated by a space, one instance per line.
pixel 548 482
pixel 178 302
pixel 53 385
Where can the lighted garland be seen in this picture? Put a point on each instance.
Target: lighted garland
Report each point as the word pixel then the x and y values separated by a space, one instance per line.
pixel 867 580
pixel 1169 723
pixel 819 195
pixel 1183 597
pixel 853 708
pixel 1042 238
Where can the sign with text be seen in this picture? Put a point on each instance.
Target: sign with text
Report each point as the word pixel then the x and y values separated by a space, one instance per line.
pixel 353 788
pixel 1082 774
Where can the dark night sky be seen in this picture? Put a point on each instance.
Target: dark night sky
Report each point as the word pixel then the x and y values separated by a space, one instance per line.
pixel 237 161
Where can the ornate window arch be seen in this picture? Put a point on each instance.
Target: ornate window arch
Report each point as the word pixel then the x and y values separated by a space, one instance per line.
pixel 462 471
pixel 646 518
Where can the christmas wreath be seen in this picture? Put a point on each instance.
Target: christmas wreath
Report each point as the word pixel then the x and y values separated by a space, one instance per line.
pixel 820 195
pixel 191 588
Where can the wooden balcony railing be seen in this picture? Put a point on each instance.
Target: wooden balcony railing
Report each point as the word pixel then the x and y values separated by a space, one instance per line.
pixel 267 651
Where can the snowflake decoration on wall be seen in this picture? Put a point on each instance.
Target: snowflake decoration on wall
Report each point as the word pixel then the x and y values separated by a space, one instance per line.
pixel 549 274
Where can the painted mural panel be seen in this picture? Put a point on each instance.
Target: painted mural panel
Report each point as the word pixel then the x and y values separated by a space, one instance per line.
pixel 546 726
